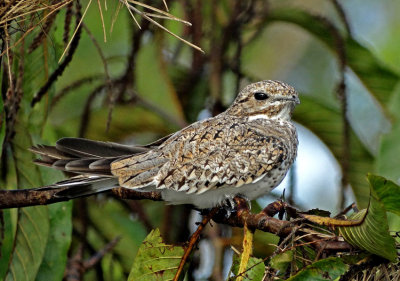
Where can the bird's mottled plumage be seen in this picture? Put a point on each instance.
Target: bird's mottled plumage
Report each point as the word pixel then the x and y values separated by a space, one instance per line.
pixel 245 150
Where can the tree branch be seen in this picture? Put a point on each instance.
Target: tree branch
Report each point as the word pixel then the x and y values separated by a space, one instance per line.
pixel 44 196
pixel 262 221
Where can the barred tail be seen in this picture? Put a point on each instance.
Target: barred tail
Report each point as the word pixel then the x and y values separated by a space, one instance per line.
pixel 84 186
pixel 82 156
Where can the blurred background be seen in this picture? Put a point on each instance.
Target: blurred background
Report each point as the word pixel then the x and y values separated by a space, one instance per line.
pixel 131 84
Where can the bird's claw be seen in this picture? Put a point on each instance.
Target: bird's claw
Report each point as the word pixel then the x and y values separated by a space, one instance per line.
pixel 232 204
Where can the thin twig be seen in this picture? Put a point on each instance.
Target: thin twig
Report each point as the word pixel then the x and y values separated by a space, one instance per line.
pixel 193 241
pixel 342 15
pixel 93 260
pixel 73 86
pixel 67 23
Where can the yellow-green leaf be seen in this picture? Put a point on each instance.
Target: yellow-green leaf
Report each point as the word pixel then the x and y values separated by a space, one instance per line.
pixel 33 222
pixel 373 234
pixel 387 191
pixel 155 260
pixel 326 269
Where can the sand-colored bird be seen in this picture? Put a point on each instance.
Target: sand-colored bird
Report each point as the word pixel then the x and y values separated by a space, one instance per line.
pixel 246 151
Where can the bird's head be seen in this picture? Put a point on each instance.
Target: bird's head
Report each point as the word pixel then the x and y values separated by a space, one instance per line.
pixel 265 99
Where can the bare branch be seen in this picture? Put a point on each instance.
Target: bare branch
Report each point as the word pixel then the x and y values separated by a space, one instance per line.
pixel 261 221
pixel 47 195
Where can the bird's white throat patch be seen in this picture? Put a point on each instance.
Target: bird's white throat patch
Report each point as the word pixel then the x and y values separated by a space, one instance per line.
pixel 258 116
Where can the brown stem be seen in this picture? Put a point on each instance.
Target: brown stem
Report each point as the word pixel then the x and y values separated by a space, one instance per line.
pixel 44 196
pixel 260 221
pixel 193 241
pixel 93 260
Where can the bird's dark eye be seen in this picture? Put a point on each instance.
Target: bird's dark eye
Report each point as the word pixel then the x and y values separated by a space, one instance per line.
pixel 260 96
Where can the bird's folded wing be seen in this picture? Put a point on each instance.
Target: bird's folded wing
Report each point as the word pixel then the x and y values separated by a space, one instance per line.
pixel 205 160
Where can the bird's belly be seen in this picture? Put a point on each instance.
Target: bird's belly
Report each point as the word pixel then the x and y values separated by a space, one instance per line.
pixel 214 197
pixel 265 185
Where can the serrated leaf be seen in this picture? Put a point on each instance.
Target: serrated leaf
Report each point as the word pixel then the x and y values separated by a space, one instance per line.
pixel 378 79
pixel 155 260
pixel 254 271
pixel 33 222
pixel 326 269
pixel 326 123
pixel 373 234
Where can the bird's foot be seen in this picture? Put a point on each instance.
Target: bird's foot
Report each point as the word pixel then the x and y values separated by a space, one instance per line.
pixel 235 203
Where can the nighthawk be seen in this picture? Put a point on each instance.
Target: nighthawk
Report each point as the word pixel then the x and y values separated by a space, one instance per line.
pixel 246 151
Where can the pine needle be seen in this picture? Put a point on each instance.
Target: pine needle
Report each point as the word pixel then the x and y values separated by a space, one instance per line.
pixel 166 6
pixel 159 11
pixel 76 29
pixel 55 8
pixel 145 15
pixel 102 20
pixel 129 10
pixel 115 16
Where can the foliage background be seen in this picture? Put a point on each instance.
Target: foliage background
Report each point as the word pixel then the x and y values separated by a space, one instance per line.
pixel 144 84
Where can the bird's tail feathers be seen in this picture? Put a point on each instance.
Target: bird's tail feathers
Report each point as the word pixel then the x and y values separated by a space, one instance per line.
pixel 82 156
pixel 84 186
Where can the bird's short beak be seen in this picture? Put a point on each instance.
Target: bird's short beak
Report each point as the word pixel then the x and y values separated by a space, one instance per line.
pixel 293 98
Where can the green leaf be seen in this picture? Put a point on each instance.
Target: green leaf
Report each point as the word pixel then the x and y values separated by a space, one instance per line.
pixel 326 269
pixel 30 243
pixel 33 222
pixel 326 123
pixel 254 271
pixel 282 261
pixel 59 240
pixel 388 162
pixel 373 234
pixel 60 232
pixel 387 191
pixel 155 260
pixel 377 78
